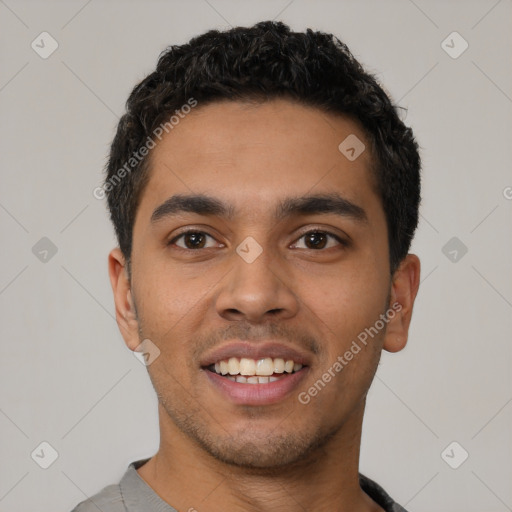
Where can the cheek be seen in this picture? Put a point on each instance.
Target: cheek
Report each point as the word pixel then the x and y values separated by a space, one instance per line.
pixel 349 305
pixel 168 301
pixel 345 305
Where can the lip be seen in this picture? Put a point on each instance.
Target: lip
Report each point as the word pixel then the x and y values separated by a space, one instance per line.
pixel 255 350
pixel 256 394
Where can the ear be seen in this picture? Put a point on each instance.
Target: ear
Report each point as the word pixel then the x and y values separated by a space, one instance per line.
pixel 125 308
pixel 404 287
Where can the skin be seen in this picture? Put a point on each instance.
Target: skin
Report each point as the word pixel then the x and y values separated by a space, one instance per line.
pixel 215 455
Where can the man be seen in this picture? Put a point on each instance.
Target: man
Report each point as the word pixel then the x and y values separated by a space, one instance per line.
pixel 264 194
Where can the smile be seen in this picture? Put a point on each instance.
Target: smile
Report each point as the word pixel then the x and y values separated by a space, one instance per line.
pixel 255 371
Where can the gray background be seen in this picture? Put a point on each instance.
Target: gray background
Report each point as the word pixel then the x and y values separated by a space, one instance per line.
pixel 66 376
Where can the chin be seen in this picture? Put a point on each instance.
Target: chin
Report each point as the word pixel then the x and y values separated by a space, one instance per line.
pixel 266 451
pixel 252 444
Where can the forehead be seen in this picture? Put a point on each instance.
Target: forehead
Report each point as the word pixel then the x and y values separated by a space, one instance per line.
pixel 252 155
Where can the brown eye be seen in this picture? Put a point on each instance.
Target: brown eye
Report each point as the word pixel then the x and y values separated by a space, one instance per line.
pixel 192 240
pixel 319 240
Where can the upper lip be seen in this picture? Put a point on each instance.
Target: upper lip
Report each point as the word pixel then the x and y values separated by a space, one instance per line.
pixel 254 350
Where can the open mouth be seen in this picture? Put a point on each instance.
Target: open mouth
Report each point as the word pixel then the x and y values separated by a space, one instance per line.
pixel 255 371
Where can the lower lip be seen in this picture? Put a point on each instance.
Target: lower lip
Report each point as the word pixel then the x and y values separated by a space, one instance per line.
pixel 256 394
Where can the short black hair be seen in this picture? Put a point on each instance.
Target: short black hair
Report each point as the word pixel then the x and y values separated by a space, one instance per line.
pixel 260 63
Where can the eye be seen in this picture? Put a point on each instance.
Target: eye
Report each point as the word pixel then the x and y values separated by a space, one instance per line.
pixel 317 239
pixel 193 240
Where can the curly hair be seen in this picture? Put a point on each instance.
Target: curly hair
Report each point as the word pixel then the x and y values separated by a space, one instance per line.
pixel 260 63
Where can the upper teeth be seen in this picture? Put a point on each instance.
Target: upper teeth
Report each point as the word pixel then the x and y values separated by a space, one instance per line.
pixel 245 366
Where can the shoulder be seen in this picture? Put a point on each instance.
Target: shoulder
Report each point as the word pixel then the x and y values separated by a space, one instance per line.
pixel 379 495
pixel 107 500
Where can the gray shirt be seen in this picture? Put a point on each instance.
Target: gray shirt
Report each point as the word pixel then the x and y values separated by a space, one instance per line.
pixel 133 494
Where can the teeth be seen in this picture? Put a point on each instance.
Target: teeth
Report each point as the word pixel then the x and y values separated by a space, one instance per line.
pixel 233 366
pixel 252 371
pixel 247 366
pixel 265 366
pixel 288 366
pixel 253 380
pixel 278 365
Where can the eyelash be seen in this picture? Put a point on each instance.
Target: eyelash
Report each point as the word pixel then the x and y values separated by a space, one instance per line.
pixel 342 242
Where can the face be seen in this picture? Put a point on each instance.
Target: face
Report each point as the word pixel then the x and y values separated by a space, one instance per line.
pixel 259 257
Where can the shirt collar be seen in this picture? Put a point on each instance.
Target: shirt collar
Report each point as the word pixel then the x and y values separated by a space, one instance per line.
pixel 138 496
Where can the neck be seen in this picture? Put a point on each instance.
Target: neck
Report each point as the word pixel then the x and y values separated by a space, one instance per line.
pixel 188 478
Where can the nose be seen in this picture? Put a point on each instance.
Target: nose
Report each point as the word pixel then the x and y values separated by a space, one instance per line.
pixel 257 291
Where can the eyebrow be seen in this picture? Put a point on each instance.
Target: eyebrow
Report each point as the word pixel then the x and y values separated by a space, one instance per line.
pixel 202 204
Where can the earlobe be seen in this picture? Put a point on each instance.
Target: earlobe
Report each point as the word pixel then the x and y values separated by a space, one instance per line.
pixel 125 307
pixel 404 288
